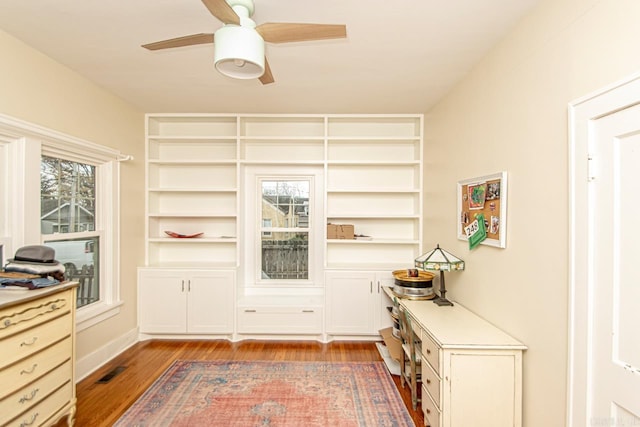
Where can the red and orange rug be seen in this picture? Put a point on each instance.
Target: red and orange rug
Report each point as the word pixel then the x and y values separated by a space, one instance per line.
pixel 274 394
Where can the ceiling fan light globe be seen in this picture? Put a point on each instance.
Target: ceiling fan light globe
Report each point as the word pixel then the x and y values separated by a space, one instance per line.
pixel 239 52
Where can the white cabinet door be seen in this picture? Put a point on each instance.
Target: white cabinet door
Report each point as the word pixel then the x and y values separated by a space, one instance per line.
pixel 210 302
pixel 162 302
pixel 178 301
pixel 349 302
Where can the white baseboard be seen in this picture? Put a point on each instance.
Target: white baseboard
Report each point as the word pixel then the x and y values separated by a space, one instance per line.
pixel 95 360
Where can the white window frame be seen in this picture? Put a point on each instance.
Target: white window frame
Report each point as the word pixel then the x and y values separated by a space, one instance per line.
pixel 28 144
pixel 252 215
pixel 286 229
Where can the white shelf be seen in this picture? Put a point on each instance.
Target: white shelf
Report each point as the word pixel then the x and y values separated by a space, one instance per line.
pixel 195 240
pixel 373 241
pixel 192 162
pixel 193 190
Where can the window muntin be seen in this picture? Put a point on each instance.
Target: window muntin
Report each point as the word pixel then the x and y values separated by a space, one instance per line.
pixel 284 229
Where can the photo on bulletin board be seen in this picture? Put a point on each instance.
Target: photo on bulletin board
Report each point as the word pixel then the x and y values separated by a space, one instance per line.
pixel 486 195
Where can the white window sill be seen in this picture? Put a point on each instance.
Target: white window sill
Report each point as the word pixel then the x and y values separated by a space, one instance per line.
pixel 93 314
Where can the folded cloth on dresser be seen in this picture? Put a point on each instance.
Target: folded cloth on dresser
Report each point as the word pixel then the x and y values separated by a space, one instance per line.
pixel 34 268
pixel 25 280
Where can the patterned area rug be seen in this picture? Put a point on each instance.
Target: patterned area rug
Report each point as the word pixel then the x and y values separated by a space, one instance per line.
pixel 274 394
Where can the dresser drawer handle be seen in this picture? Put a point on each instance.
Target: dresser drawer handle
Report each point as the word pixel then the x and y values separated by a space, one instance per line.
pixel 250 311
pixel 28 423
pixel 25 344
pixel 29 371
pixel 7 322
pixel 25 399
pixel 307 311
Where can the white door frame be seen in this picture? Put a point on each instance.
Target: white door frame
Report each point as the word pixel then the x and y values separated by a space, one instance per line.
pixel 581 114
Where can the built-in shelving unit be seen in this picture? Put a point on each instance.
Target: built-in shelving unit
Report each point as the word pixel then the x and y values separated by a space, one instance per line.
pixel 192 186
pixel 374 181
pixel 372 168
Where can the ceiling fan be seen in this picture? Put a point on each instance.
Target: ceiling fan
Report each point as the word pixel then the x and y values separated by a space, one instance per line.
pixel 239 44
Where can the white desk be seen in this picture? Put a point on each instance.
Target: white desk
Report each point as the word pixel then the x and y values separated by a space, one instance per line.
pixel 471 370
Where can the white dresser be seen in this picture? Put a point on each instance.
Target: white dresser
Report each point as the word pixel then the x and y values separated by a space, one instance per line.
pixel 471 370
pixel 37 356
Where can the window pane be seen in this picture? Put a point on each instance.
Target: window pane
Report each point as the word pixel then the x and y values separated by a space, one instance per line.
pixel 67 196
pixel 285 256
pixel 285 204
pixel 80 259
pixel 68 205
pixel 284 239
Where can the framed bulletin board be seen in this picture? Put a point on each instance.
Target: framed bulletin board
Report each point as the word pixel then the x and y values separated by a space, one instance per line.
pixel 485 195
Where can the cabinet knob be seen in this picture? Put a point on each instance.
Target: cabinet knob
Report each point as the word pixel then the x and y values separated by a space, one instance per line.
pixel 428 411
pixel 428 381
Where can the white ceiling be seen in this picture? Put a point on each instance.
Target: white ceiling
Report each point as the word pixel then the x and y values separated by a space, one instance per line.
pixel 400 56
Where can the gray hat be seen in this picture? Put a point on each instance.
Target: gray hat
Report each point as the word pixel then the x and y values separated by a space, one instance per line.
pixel 35 254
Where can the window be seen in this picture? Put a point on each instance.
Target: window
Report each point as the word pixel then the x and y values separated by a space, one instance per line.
pixel 79 219
pixel 285 229
pixel 68 208
pixel 282 209
pixel 64 193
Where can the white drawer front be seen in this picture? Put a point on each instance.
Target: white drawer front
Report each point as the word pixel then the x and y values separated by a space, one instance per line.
pixel 431 382
pixel 431 413
pixel 44 410
pixel 431 352
pixel 27 315
pixel 24 344
pixel 28 396
pixel 280 320
pixel 27 370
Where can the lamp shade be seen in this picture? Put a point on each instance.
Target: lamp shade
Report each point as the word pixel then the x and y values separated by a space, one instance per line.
pixel 239 52
pixel 439 260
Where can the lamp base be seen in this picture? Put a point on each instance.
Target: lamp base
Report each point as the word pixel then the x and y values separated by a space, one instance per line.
pixel 442 301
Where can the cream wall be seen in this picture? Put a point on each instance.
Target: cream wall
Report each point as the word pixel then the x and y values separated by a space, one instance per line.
pixel 38 90
pixel 510 113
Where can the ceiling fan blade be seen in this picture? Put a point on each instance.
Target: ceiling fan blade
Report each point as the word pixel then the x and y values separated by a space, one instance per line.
pixel 221 10
pixel 267 77
pixel 290 32
pixel 193 39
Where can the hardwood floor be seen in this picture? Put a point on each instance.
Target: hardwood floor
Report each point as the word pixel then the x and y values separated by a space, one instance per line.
pixel 101 404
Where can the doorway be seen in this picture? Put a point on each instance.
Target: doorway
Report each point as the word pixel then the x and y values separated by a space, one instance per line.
pixel 604 353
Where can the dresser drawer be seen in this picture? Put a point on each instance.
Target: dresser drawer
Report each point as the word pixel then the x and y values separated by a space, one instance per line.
pixel 27 396
pixel 27 370
pixel 29 314
pixel 44 410
pixel 431 352
pixel 430 410
pixel 24 344
pixel 431 382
